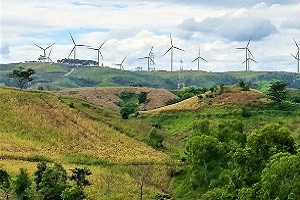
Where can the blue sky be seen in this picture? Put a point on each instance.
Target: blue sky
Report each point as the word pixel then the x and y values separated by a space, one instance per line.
pixel 131 27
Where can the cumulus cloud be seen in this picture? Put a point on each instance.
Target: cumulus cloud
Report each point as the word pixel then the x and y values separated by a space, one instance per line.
pixel 235 27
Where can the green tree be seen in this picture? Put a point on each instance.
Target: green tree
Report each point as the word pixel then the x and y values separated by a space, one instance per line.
pixel 281 178
pixel 79 175
pixel 203 153
pixel 22 76
pixel 52 182
pixel 38 174
pixel 142 97
pixel 72 193
pixel 5 182
pixel 260 146
pixel 278 91
pixel 21 185
pixel 127 109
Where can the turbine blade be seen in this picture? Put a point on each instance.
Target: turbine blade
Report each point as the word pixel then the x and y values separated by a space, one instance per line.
pixel 241 48
pixel 123 60
pixel 152 61
pixel 178 48
pixel 72 38
pixel 168 50
pixel 244 62
pixel 253 60
pixel 249 41
pixel 144 57
pixel 171 39
pixel 101 55
pixel 296 43
pixel 39 47
pixel 102 45
pixel 203 59
pixel 294 56
pixel 71 51
pixel 49 46
pixel 250 53
pixel 195 59
pixel 49 53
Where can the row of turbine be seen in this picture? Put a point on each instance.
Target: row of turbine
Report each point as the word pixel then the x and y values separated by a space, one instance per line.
pixel 150 57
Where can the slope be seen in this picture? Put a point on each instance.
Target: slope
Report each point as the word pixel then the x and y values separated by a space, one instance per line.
pixel 37 124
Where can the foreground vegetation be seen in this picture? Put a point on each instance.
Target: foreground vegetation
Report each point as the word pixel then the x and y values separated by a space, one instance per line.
pixel 216 151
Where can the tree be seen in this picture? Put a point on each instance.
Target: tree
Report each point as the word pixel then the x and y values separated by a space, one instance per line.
pixel 72 193
pixel 21 184
pixel 4 182
pixel 278 91
pixel 51 181
pixel 79 175
pixel 127 109
pixel 142 97
pixel 22 76
pixel 281 177
pixel 141 174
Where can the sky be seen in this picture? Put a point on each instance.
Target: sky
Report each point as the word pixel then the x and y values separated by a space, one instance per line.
pixel 131 27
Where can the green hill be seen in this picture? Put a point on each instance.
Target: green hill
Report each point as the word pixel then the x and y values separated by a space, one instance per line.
pixel 58 76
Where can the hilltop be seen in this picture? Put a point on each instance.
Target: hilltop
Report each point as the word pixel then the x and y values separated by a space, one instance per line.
pixel 59 76
pixel 108 97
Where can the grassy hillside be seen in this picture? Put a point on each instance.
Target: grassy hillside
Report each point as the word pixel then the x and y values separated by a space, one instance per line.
pixel 53 77
pixel 38 126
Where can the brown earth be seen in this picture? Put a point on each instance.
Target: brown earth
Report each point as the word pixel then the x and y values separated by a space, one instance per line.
pixel 108 96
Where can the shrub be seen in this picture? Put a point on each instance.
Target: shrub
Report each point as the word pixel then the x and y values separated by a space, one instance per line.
pixel 127 109
pixel 142 97
pixel 156 139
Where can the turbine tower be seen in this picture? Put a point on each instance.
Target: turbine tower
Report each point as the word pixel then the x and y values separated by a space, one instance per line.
pixel 44 49
pixel 249 59
pixel 75 45
pixel 180 83
pixel 150 58
pixel 171 48
pixel 121 64
pixel 297 56
pixel 99 52
pixel 248 54
pixel 198 59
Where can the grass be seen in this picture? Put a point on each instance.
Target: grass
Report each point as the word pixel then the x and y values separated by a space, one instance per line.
pixel 40 126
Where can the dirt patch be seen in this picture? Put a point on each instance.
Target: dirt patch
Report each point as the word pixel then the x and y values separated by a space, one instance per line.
pixel 108 96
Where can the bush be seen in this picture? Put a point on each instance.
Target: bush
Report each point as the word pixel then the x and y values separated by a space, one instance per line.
pixel 156 139
pixel 72 193
pixel 127 109
pixel 142 97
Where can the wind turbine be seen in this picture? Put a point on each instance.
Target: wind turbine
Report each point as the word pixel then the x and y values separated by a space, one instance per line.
pixel 44 49
pixel 297 56
pixel 75 45
pixel 248 59
pixel 248 54
pixel 171 48
pixel 99 52
pixel 198 58
pixel 121 64
pixel 149 58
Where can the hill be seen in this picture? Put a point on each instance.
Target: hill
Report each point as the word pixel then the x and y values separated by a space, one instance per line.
pixel 108 97
pixel 60 76
pixel 228 96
